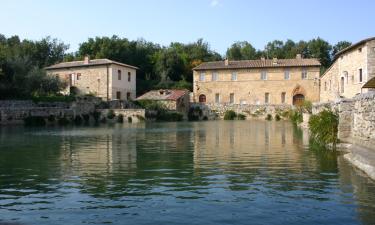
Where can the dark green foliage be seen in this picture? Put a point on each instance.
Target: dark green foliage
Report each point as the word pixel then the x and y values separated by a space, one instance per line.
pixel 86 118
pixel 295 116
pixel 34 121
pixel 277 117
pixel 96 115
pixel 340 46
pixel 230 115
pixel 130 120
pixel 51 118
pixel 103 120
pixel 63 121
pixel 53 98
pixel 241 116
pixel 195 113
pixel 140 118
pixel 78 120
pixel 269 117
pixel 324 127
pixel 242 51
pixel 111 114
pixel 120 118
pixel 170 116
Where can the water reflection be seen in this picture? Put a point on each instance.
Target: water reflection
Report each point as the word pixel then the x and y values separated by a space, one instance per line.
pixel 225 172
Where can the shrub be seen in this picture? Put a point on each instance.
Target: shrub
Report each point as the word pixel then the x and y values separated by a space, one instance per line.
pixel 34 121
pixel 170 116
pixel 130 120
pixel 205 118
pixel 86 118
pixel 230 115
pixel 140 118
pixel 269 117
pixel 96 115
pixel 51 118
pixel 241 116
pixel 324 127
pixel 111 114
pixel 195 113
pixel 295 116
pixel 277 117
pixel 63 121
pixel 120 118
pixel 78 120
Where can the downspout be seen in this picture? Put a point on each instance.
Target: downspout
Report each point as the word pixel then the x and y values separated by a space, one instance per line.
pixel 107 83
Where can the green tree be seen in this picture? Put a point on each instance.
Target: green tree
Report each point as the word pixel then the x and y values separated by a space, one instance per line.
pixel 340 46
pixel 241 51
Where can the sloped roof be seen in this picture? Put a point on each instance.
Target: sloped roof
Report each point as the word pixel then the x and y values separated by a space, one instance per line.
pixel 92 62
pixel 163 94
pixel 353 46
pixel 260 63
pixel 370 83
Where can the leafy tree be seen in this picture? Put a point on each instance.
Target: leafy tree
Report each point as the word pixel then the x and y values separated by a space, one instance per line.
pixel 241 51
pixel 320 49
pixel 340 46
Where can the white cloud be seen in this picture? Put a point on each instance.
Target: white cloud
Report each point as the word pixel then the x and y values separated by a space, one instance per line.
pixel 214 3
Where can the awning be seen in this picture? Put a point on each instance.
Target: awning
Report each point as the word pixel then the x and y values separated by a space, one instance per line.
pixel 370 83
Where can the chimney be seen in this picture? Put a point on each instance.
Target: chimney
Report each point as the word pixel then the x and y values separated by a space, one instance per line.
pixel 298 56
pixel 274 61
pixel 226 61
pixel 86 60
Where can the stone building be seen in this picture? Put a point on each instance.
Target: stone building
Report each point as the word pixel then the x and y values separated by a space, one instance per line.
pixel 352 68
pixel 173 100
pixel 257 82
pixel 104 78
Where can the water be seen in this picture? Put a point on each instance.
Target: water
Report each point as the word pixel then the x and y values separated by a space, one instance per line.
pixel 215 172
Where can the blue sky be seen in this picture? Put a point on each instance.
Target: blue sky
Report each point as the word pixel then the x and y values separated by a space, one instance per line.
pixel 219 22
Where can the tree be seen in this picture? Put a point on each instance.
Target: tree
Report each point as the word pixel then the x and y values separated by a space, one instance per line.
pixel 241 51
pixel 320 49
pixel 340 46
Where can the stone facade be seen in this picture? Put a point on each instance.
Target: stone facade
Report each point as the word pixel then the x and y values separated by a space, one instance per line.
pixel 249 87
pixel 351 69
pixel 356 118
pixel 107 80
pixel 135 114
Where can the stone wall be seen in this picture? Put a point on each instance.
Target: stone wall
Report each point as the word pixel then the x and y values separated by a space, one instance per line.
pixel 356 118
pixel 256 111
pixel 135 114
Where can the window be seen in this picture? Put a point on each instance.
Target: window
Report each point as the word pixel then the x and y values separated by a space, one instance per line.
pixel 286 75
pixel 128 95
pixel 78 76
pixel 283 95
pixel 263 75
pixel 267 98
pixel 360 76
pixel 325 86
pixel 234 76
pixel 346 75
pixel 119 74
pixel 342 83
pixel 231 98
pixel 202 98
pixel 330 84
pixel 118 95
pixel 217 98
pixel 129 76
pixel 304 74
pixel 360 50
pixel 201 77
pixel 214 76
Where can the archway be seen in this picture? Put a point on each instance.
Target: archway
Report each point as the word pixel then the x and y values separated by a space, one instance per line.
pixel 202 98
pixel 298 99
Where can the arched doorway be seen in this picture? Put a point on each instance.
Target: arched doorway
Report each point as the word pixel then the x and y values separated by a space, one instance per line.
pixel 202 98
pixel 298 99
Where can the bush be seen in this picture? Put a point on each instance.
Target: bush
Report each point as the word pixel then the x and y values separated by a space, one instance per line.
pixel 96 115
pixel 241 116
pixel 277 117
pixel 78 120
pixel 130 120
pixel 269 117
pixel 324 127
pixel 120 118
pixel 34 121
pixel 195 113
pixel 140 118
pixel 111 114
pixel 86 118
pixel 51 118
pixel 63 121
pixel 295 116
pixel 53 98
pixel 170 116
pixel 230 115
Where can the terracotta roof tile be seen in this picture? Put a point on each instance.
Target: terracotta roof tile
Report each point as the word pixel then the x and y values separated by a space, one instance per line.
pixel 266 63
pixel 163 94
pixel 92 62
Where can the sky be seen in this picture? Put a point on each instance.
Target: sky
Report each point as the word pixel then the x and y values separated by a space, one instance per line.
pixel 218 22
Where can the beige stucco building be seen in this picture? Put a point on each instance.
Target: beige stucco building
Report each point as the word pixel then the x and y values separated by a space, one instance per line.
pixel 352 68
pixel 264 81
pixel 102 77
